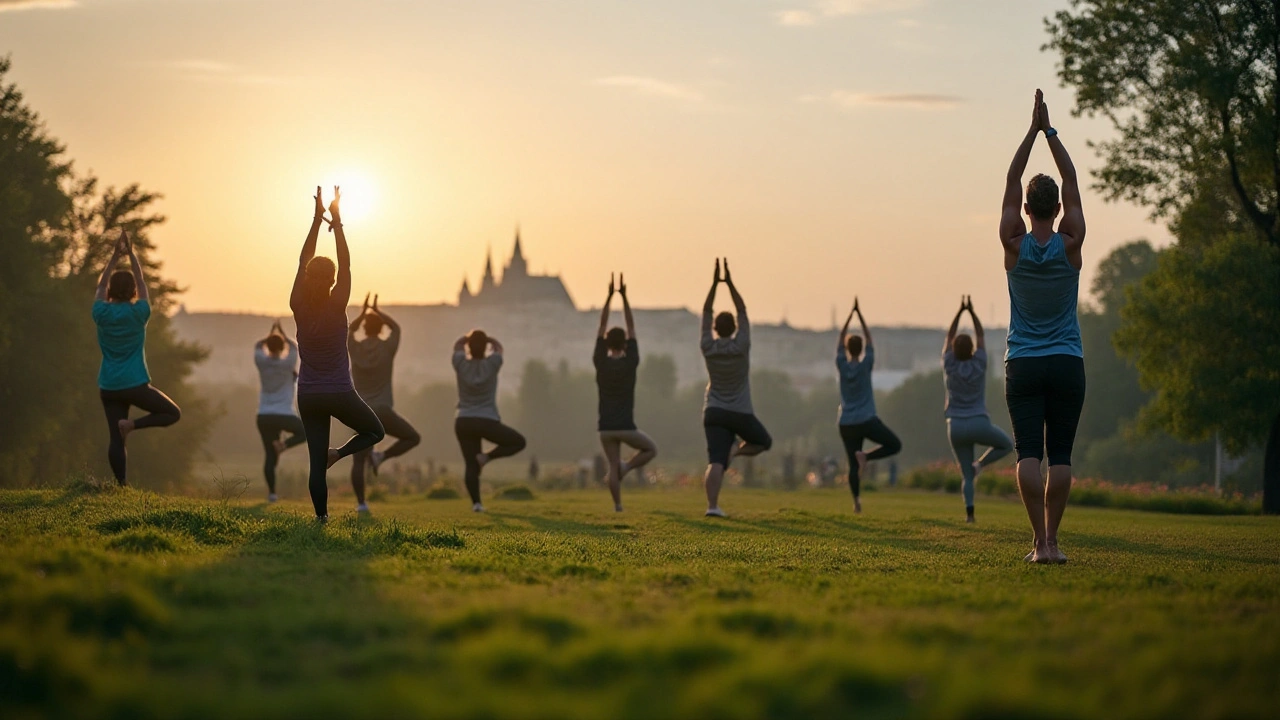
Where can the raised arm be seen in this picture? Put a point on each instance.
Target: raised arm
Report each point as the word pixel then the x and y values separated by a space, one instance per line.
pixel 308 252
pixel 497 346
pixel 355 324
pixel 979 339
pixel 709 307
pixel 743 336
pixel 844 332
pixel 461 345
pixel 1071 227
pixel 386 319
pixel 1012 226
pixel 866 331
pixel 342 288
pixel 955 325
pixel 604 312
pixel 135 266
pixel 626 308
pixel 105 279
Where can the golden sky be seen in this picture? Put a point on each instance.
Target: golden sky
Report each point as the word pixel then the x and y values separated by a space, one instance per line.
pixel 827 147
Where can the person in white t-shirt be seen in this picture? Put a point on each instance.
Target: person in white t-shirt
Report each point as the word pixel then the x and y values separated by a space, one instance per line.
pixel 276 357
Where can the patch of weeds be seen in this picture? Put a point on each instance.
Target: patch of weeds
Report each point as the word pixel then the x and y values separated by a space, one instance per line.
pixel 762 624
pixel 142 541
pixel 515 492
pixel 441 491
pixel 734 594
pixel 589 572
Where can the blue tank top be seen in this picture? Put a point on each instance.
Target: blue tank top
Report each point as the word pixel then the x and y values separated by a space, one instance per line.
pixel 1044 289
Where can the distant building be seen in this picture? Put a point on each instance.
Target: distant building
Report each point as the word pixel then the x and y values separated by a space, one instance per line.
pixel 517 286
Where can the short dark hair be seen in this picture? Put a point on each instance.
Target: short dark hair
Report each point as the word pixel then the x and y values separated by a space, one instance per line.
pixel 372 324
pixel 477 341
pixel 122 287
pixel 275 344
pixel 962 346
pixel 615 339
pixel 854 344
pixel 1042 197
pixel 725 324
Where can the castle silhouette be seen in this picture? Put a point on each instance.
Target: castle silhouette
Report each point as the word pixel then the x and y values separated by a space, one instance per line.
pixel 517 287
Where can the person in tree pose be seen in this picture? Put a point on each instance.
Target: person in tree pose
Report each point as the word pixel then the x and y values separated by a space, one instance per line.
pixel 858 420
pixel 371 365
pixel 325 391
pixel 276 357
pixel 477 419
pixel 964 368
pixel 616 357
pixel 121 309
pixel 1044 362
pixel 728 419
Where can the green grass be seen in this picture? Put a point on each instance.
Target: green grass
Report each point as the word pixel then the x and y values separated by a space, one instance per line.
pixel 128 604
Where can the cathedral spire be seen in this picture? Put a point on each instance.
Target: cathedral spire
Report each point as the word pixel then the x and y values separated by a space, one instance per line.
pixel 487 281
pixel 518 267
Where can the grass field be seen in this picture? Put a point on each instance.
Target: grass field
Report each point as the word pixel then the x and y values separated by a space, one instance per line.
pixel 129 604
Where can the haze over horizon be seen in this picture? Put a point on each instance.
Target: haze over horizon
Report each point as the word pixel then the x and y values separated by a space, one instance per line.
pixel 827 147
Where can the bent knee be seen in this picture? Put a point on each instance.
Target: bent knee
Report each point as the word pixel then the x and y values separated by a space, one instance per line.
pixel 767 444
pixel 411 441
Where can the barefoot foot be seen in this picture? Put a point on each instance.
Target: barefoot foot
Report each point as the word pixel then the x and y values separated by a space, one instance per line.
pixel 482 459
pixel 1056 556
pixel 126 426
pixel 862 463
pixel 279 446
pixel 333 458
pixel 857 505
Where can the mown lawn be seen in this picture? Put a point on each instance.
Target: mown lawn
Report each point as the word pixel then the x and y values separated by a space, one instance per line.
pixel 129 604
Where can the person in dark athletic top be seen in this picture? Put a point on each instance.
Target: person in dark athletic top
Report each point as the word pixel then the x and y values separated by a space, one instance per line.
pixel 728 419
pixel 964 370
pixel 477 419
pixel 616 357
pixel 325 391
pixel 371 364
pixel 278 375
pixel 121 309
pixel 1044 379
pixel 858 420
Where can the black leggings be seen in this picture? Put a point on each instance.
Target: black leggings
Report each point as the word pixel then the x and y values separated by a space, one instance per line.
pixel 162 412
pixel 397 427
pixel 875 431
pixel 470 432
pixel 270 427
pixel 725 427
pixel 347 408
pixel 1045 397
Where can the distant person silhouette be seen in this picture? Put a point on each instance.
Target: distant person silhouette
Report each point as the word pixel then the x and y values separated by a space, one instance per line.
pixel 121 309
pixel 276 357
pixel 728 418
pixel 319 303
pixel 371 368
pixel 964 368
pixel 616 357
pixel 477 419
pixel 858 420
pixel 1044 361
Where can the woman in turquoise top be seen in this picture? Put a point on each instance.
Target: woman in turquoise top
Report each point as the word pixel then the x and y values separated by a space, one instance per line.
pixel 1044 362
pixel 121 309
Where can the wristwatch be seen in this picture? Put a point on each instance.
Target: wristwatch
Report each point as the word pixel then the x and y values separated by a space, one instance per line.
pixel 1050 133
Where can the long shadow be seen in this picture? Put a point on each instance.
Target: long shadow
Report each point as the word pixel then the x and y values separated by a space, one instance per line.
pixel 1113 542
pixel 707 525
pixel 542 523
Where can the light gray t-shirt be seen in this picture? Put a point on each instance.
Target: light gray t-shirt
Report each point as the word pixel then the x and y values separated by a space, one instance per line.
pixel 477 385
pixel 966 383
pixel 279 376
pixel 728 366
pixel 372 360
pixel 857 397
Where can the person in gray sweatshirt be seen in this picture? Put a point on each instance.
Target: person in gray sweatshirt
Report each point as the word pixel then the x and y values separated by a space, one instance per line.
pixel 728 418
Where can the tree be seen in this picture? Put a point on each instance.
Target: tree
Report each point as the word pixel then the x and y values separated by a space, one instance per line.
pixel 1193 90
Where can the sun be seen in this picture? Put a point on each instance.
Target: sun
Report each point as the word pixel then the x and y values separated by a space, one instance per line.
pixel 359 194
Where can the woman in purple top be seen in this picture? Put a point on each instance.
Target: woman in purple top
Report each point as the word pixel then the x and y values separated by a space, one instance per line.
pixel 319 304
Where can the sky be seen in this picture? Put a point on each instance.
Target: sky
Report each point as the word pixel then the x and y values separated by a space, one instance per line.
pixel 828 148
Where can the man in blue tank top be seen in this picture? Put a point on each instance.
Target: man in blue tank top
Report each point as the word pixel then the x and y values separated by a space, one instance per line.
pixel 1044 362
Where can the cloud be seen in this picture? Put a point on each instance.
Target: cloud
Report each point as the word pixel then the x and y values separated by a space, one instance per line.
pixel 216 71
pixel 822 9
pixel 6 5
pixel 846 100
pixel 650 86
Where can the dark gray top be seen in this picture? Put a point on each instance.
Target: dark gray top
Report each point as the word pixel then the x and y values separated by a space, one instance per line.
pixel 728 366
pixel 966 383
pixel 371 365
pixel 477 385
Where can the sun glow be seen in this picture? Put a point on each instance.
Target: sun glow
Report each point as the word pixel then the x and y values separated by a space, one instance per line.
pixel 359 194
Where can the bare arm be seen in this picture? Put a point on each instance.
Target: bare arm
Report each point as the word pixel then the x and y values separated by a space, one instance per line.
pixel 626 309
pixel 844 333
pixel 866 332
pixel 709 307
pixel 355 324
pixel 342 288
pixel 105 278
pixel 951 332
pixel 604 312
pixel 1071 227
pixel 461 345
pixel 139 279
pixel 497 346
pixel 1012 226
pixel 308 252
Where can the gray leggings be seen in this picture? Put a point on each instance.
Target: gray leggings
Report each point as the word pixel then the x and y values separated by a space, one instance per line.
pixel 964 433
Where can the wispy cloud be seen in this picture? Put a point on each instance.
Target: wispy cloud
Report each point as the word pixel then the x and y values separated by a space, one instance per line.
pixel 846 100
pixel 651 86
pixel 822 9
pixel 216 71
pixel 7 5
